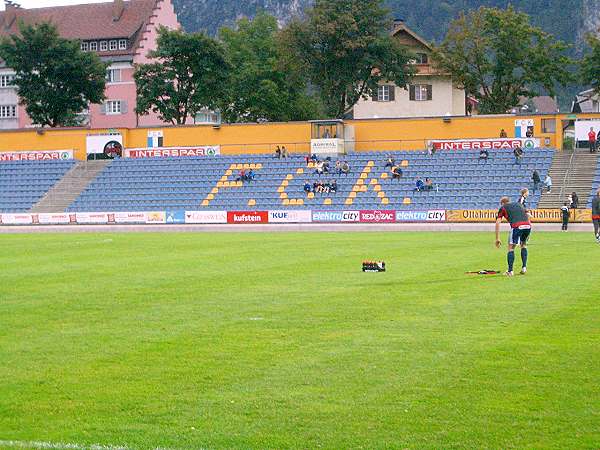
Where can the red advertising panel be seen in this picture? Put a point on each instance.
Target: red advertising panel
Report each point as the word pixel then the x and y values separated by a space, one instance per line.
pixel 247 217
pixel 377 216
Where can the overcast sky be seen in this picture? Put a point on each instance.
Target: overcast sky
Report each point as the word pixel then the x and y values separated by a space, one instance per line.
pixel 42 3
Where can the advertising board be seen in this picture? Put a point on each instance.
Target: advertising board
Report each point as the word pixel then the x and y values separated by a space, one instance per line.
pixel 50 155
pixel 293 216
pixel 167 152
pixel 206 217
pixel 489 144
pixel 247 217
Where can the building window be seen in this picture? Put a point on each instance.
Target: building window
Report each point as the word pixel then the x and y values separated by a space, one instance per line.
pixel 548 126
pixel 123 44
pixel 8 111
pixel 6 81
pixel 420 92
pixel 103 46
pixel 85 46
pixel 207 117
pixel 113 45
pixel 94 46
pixel 113 75
pixel 422 58
pixel 385 93
pixel 113 107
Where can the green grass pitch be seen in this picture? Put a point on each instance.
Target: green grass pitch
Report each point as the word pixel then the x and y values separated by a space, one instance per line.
pixel 260 341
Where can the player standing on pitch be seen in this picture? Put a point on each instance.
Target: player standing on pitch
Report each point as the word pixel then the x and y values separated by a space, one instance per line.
pixel 596 215
pixel 520 229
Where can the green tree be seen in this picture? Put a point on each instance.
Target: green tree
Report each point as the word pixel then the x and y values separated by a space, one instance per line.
pixel 590 64
pixel 262 86
pixel 55 80
pixel 190 75
pixel 346 50
pixel 497 56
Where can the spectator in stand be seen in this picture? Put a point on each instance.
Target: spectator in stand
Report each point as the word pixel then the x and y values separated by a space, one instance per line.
pixel 338 167
pixel 529 132
pixel 419 185
pixel 284 152
pixel 345 168
pixel 503 134
pixel 518 152
pixel 536 180
pixel 277 152
pixel 307 187
pixel 333 186
pixel 319 170
pixel 596 215
pixel 565 216
pixel 428 185
pixel 391 162
pixel 250 175
pixel 523 198
pixel 548 183
pixel 574 200
pixel 396 173
pixel 592 140
pixel 241 176
pixel 326 166
pixel 314 158
pixel 484 154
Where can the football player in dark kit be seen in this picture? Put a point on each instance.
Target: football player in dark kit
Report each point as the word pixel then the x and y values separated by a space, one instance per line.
pixel 596 215
pixel 520 229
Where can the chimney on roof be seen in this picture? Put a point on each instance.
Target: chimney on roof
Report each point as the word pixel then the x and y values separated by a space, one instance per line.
pixel 10 15
pixel 118 8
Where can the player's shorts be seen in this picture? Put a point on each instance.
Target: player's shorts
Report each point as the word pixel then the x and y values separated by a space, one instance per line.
pixel 519 236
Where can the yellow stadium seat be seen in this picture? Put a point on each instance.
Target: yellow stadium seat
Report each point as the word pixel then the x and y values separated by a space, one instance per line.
pixel 238 167
pixel 404 163
pixel 283 195
pixel 384 175
pixel 285 183
pixel 355 188
pixel 251 202
pixel 360 182
pixel 300 202
pixel 311 165
pixel 374 181
pixel 311 195
pixel 327 201
pixel 281 189
pixel 381 194
pixel 352 195
pixel 300 171
pixel 406 201
pixel 228 172
pixel 214 190
pixel 289 176
pixel 210 197
pixel 377 188
pixel 238 184
pixel 370 164
pixel 252 166
pixel 219 184
pixel 246 166
pixel 293 202
pixel 364 175
pixel 364 188
pixel 258 166
pixel 348 201
pixel 286 201
pixel 367 170
pixel 204 202
pixel 224 178
pixel 385 201
pixel 226 184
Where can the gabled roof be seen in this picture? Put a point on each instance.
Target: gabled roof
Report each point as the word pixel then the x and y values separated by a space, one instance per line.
pixel 400 27
pixel 85 22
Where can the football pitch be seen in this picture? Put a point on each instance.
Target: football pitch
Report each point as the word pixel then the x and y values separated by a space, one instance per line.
pixel 276 341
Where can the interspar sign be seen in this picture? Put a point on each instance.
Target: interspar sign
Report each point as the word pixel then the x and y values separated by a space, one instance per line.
pixel 206 217
pixel 247 217
pixel 167 152
pixel 488 144
pixel 421 216
pixel 293 216
pixel 51 155
pixel 376 216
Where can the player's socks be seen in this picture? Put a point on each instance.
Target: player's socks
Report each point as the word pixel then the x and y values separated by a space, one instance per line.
pixel 524 257
pixel 511 260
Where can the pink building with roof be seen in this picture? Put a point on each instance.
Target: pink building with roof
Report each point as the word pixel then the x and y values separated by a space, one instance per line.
pixel 120 32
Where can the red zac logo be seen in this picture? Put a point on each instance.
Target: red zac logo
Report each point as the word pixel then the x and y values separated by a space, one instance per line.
pixel 377 216
pixel 247 217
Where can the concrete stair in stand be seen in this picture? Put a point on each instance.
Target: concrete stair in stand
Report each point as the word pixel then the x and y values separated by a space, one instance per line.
pixel 570 172
pixel 69 187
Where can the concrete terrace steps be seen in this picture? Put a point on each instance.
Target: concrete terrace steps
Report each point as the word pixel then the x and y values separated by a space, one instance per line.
pixel 69 187
pixel 570 172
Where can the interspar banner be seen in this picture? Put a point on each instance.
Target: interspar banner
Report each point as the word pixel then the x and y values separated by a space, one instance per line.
pixel 282 216
pixel 438 215
pixel 206 217
pixel 50 155
pixel 489 144
pixel 247 217
pixel 377 216
pixel 167 152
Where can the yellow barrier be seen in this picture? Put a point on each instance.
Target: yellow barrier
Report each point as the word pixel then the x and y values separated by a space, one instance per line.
pixel 537 215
